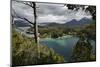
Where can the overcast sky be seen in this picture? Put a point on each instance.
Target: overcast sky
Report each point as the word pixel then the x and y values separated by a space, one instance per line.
pixel 49 12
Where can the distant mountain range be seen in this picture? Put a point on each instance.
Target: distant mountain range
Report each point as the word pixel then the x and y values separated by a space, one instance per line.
pixel 83 21
pixel 21 23
pixel 72 23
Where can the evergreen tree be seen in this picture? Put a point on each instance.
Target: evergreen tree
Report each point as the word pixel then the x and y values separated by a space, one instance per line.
pixel 82 50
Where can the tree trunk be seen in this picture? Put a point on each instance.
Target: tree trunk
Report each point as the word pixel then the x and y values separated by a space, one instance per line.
pixel 36 30
pixel 35 24
pixel 12 21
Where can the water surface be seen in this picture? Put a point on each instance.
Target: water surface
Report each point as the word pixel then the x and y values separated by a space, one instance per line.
pixel 63 46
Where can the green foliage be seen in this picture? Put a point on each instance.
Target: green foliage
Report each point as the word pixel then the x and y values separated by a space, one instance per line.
pixel 90 31
pixel 91 9
pixel 56 34
pixel 93 57
pixel 51 32
pixel 82 51
pixel 25 52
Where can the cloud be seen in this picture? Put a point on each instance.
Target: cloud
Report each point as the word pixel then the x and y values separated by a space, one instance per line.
pixel 22 10
pixel 47 12
pixel 51 18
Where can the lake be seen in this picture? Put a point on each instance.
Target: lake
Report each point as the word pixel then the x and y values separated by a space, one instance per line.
pixel 63 46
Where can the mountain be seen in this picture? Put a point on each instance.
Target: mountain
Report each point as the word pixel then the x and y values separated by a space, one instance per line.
pixel 81 22
pixel 49 24
pixel 21 23
pixel 72 23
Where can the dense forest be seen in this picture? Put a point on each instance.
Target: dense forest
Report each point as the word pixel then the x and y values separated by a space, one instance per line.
pixel 24 52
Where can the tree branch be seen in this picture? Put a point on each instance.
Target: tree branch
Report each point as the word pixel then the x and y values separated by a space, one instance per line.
pixel 22 17
pixel 27 4
pixel 28 21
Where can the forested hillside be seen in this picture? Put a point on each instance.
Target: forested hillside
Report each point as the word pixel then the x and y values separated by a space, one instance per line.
pixel 25 52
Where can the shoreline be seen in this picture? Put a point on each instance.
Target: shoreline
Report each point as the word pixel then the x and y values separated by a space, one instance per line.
pixel 67 36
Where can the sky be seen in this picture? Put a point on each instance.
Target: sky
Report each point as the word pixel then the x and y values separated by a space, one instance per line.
pixel 49 12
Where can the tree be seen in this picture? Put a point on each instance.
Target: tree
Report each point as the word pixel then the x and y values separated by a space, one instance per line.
pixel 33 6
pixel 82 51
pixel 91 9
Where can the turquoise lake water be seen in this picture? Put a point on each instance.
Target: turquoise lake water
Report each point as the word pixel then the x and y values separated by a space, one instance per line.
pixel 63 46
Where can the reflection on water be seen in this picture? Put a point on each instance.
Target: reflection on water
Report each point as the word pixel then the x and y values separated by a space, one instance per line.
pixel 63 46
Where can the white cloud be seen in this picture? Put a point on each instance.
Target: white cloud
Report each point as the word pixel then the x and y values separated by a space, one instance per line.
pixel 51 18
pixel 22 10
pixel 50 12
